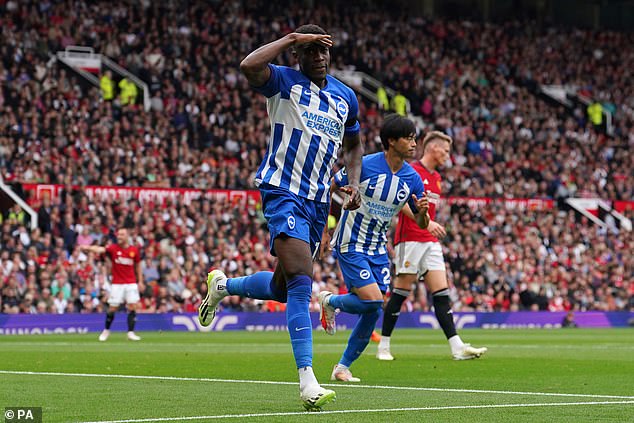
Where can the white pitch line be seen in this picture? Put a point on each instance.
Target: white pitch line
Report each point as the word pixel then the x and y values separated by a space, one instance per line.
pixel 270 382
pixel 378 410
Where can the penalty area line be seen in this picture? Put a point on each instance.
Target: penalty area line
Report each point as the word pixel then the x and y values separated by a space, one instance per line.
pixel 378 410
pixel 338 386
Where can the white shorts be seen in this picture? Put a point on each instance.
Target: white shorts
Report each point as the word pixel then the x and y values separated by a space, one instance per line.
pixel 418 257
pixel 120 292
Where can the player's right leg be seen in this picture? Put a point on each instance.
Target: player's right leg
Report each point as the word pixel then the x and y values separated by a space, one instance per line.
pixel 408 263
pixel 105 333
pixel 391 313
pixel 365 298
pixel 259 285
pixel 216 291
pixel 116 297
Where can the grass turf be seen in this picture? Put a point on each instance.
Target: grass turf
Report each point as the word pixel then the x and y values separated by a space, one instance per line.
pixel 522 366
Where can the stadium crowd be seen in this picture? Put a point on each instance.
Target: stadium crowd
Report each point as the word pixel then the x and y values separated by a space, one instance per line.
pixel 207 130
pixel 498 259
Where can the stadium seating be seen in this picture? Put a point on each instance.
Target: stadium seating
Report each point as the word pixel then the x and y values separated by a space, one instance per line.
pixel 207 130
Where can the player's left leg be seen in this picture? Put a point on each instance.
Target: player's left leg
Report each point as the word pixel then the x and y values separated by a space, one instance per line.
pixel 132 298
pixel 436 282
pixel 408 264
pixel 351 303
pixel 367 302
pixel 357 343
pixel 367 279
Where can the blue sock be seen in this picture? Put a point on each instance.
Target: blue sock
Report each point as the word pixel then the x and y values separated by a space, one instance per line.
pixel 360 336
pixel 352 304
pixel 259 285
pixel 300 327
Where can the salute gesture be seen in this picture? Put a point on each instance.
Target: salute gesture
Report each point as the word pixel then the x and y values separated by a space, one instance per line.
pixel 322 39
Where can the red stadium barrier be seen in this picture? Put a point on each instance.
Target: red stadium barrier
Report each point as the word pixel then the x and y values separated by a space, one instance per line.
pixel 142 194
pixel 621 206
pixel 509 203
pixel 145 194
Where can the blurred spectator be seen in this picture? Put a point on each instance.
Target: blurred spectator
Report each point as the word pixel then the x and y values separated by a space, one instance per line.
pixel 128 92
pixel 569 321
pixel 399 104
pixel 107 86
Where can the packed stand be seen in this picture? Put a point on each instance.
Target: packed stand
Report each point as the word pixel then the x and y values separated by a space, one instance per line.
pixel 475 82
pixel 498 259
pixel 519 260
pixel 44 270
pixel 207 129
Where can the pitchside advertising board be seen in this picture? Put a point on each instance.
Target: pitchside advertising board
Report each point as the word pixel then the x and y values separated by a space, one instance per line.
pixel 25 324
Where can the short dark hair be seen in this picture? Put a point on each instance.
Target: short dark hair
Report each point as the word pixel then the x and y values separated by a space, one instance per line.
pixel 311 29
pixel 396 126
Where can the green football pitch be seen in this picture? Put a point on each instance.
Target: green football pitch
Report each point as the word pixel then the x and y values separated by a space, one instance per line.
pixel 528 375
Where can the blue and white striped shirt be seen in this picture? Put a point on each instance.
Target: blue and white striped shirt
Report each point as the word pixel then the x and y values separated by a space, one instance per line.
pixel 307 129
pixel 383 195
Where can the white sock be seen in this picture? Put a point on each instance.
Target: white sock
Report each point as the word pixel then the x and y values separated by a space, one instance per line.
pixel 384 343
pixel 341 367
pixel 307 378
pixel 456 343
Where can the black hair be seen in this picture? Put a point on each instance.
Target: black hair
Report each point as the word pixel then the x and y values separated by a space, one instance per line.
pixel 396 126
pixel 311 29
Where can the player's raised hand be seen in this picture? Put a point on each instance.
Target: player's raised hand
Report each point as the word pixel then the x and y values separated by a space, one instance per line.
pixel 353 201
pixel 323 39
pixel 422 204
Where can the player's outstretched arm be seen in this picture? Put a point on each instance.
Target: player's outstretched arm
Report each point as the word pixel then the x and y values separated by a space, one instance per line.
pixel 352 154
pixel 97 249
pixel 255 66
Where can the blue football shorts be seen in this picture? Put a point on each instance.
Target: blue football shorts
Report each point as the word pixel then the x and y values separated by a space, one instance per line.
pixel 360 269
pixel 297 217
